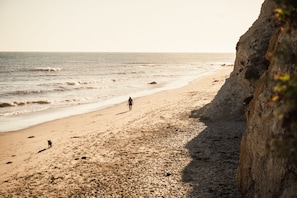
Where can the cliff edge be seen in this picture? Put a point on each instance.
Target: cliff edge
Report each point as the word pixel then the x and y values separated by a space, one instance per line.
pixel 250 63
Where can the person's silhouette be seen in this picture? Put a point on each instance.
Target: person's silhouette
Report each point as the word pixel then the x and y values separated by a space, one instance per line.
pixel 130 103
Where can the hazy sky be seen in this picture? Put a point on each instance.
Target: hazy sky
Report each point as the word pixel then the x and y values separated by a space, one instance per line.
pixel 125 25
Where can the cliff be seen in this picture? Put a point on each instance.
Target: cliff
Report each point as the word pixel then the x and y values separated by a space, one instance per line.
pixel 261 52
pixel 249 65
pixel 261 172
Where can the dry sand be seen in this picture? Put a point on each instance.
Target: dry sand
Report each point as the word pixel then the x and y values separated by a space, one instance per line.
pixel 159 149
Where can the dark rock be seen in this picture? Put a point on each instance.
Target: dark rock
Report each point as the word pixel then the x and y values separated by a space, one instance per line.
pixel 153 83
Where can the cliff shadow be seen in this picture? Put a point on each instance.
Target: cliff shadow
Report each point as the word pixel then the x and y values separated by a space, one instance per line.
pixel 215 156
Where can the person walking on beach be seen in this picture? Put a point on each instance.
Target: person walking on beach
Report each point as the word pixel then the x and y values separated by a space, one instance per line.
pixel 130 103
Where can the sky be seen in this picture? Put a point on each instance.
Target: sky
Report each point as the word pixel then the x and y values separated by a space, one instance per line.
pixel 125 25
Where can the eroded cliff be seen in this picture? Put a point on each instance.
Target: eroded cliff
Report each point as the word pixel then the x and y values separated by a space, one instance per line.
pixel 249 65
pixel 263 51
pixel 261 172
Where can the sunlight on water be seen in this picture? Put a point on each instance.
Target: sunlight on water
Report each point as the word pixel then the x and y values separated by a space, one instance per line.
pixel 45 83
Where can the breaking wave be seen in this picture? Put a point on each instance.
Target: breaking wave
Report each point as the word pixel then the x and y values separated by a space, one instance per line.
pixel 22 103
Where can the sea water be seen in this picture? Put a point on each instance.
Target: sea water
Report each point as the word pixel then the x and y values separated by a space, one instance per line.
pixel 39 87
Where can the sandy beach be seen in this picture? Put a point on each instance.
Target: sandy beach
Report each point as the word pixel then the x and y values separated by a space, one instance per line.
pixel 159 149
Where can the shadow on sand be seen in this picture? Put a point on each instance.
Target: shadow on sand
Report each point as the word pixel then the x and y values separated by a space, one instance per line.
pixel 50 144
pixel 215 156
pixel 122 113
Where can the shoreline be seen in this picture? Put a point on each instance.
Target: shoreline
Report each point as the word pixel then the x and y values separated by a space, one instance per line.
pixel 114 151
pixel 16 123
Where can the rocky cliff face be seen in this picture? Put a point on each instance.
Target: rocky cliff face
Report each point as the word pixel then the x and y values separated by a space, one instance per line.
pixel 250 64
pixel 261 52
pixel 261 172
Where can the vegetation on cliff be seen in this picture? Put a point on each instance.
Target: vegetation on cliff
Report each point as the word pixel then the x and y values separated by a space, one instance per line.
pixel 286 12
pixel 286 90
pixel 286 84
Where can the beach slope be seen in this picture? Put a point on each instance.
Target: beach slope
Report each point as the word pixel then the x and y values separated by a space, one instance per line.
pixel 160 148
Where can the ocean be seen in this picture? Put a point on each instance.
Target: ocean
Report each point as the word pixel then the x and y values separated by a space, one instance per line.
pixel 37 87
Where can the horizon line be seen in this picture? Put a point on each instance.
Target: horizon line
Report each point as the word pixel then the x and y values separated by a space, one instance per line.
pixel 42 51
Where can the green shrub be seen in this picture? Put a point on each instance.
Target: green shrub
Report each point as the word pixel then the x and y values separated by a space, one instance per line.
pixel 286 97
pixel 286 12
pixel 286 86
